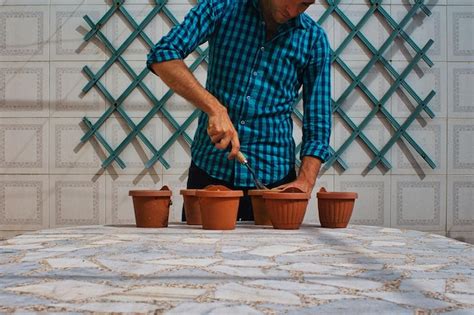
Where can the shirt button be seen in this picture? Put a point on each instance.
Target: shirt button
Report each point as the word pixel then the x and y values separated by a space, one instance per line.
pixel 242 122
pixel 255 73
pixel 262 48
pixel 248 97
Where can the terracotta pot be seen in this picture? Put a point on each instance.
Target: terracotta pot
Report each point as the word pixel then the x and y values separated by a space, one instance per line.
pixel 286 208
pixel 191 207
pixel 335 208
pixel 151 207
pixel 219 207
pixel 260 214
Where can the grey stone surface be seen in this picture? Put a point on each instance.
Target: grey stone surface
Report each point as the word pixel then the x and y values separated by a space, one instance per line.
pixel 357 306
pixel 250 270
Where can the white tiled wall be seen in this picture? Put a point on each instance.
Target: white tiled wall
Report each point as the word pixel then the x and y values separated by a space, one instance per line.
pixel 49 179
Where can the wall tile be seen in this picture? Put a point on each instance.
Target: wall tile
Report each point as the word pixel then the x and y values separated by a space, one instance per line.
pixel 24 145
pixel 68 155
pixel 376 30
pixel 24 89
pixel 136 153
pixel 460 203
pixel 24 2
pixel 24 202
pixel 460 92
pixel 422 80
pixel 357 155
pixel 67 98
pixel 372 207
pixel 118 29
pixel 24 33
pixel 137 103
pixel 460 146
pixel 430 135
pixel 460 2
pixel 77 200
pixel 460 25
pixel 119 205
pixel 67 42
pixel 80 4
pixel 418 204
pixel 421 28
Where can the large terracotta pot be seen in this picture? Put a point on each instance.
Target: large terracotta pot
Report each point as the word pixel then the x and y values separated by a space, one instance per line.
pixel 219 207
pixel 335 208
pixel 151 207
pixel 191 207
pixel 286 208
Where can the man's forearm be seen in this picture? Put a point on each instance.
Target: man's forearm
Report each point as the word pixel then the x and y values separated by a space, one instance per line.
pixel 177 76
pixel 309 170
pixel 220 128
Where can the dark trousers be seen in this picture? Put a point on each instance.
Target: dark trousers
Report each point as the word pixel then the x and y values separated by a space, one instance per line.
pixel 198 179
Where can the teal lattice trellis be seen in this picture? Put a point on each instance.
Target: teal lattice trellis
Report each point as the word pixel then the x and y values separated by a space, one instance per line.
pixel 333 8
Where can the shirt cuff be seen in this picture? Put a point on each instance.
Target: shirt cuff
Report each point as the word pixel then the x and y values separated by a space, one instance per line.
pixel 316 149
pixel 158 55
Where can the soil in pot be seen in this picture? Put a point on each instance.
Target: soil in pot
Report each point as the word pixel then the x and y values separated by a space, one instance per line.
pixel 151 207
pixel 191 207
pixel 335 208
pixel 219 207
pixel 286 208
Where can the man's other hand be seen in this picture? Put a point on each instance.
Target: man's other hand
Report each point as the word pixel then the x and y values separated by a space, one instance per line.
pixel 298 183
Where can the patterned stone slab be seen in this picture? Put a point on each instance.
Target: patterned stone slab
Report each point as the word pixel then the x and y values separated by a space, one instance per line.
pixel 250 270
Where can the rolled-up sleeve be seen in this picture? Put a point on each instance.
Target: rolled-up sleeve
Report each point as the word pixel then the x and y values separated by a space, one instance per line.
pixel 183 39
pixel 317 118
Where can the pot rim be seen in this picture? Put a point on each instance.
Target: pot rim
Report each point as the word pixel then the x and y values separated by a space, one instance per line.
pixel 287 195
pixel 219 193
pixel 336 195
pixel 150 193
pixel 260 192
pixel 188 192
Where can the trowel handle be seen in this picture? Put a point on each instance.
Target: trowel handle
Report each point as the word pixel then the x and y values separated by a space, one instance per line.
pixel 241 158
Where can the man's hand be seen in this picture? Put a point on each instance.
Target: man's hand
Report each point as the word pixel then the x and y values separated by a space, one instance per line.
pixel 309 171
pixel 222 132
pixel 302 185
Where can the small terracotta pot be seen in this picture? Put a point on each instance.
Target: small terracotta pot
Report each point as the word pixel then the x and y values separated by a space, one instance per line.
pixel 219 207
pixel 286 208
pixel 335 208
pixel 152 207
pixel 191 207
pixel 260 214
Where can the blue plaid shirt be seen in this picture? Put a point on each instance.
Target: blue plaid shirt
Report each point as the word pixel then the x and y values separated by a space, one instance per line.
pixel 258 81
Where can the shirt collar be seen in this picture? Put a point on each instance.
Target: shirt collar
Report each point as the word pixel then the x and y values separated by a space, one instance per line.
pixel 297 21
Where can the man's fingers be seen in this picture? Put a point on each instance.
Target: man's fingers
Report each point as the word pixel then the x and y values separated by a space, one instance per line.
pixel 223 143
pixel 217 138
pixel 235 147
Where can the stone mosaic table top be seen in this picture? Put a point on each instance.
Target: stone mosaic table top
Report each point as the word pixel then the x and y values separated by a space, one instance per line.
pixel 251 270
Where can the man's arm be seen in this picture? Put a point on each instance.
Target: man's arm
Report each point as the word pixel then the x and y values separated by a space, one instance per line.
pixel 220 129
pixel 166 60
pixel 317 115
